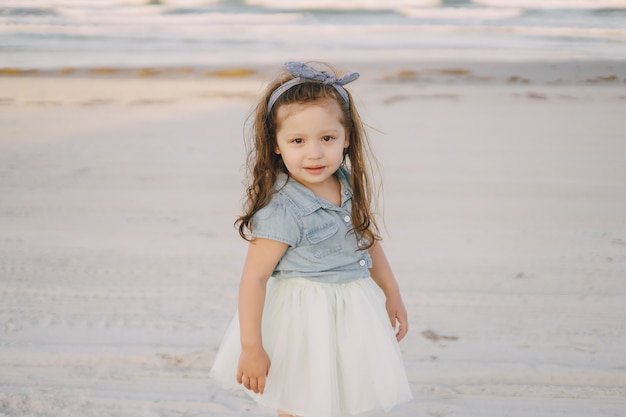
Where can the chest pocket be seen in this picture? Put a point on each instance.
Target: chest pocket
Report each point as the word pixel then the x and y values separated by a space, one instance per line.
pixel 319 238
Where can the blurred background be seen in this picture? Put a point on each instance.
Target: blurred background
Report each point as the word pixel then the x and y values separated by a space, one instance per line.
pixel 44 34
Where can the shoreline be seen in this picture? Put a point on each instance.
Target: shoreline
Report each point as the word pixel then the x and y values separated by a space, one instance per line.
pixel 166 86
pixel 466 71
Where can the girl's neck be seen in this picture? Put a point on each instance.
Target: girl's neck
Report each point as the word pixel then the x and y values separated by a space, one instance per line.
pixel 329 191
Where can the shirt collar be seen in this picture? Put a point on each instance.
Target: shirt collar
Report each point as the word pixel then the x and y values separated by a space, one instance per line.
pixel 306 200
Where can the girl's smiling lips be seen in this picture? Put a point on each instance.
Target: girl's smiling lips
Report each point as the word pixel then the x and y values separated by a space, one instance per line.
pixel 315 169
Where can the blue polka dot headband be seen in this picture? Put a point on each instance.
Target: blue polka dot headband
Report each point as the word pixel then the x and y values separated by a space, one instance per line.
pixel 303 73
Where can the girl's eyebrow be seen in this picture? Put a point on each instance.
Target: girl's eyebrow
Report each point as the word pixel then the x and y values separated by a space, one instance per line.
pixel 323 132
pixel 290 134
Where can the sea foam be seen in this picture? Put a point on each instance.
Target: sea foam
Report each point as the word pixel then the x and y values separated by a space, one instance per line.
pixel 555 4
pixel 461 13
pixel 343 5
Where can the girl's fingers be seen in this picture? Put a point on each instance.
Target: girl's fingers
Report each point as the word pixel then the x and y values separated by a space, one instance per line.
pixel 254 385
pixel 402 330
pixel 257 385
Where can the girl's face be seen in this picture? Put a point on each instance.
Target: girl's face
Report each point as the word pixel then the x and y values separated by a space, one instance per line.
pixel 311 140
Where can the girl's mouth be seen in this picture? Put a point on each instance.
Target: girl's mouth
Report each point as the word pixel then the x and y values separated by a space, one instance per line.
pixel 314 170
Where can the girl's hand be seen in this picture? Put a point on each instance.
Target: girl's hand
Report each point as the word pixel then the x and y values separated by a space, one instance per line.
pixel 397 316
pixel 382 274
pixel 254 364
pixel 253 368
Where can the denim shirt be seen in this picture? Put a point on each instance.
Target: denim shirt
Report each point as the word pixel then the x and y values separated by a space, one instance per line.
pixel 322 246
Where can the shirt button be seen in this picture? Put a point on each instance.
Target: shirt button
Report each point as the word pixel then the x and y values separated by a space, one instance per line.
pixel 362 262
pixel 346 219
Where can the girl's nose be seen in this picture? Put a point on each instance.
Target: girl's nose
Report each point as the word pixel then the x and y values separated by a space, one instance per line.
pixel 315 150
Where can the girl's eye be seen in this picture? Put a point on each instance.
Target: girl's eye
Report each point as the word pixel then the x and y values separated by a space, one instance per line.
pixel 297 140
pixel 327 138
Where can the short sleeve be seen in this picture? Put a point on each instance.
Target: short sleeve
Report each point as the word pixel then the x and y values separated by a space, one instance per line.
pixel 276 221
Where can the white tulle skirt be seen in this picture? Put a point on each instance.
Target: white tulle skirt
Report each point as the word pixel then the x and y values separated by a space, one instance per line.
pixel 332 349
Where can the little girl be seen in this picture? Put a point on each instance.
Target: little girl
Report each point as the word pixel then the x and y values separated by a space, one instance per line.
pixel 320 313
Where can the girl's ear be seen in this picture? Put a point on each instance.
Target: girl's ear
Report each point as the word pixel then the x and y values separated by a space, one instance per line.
pixel 277 151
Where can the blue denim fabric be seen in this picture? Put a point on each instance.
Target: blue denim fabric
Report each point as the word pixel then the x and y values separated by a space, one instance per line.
pixel 322 245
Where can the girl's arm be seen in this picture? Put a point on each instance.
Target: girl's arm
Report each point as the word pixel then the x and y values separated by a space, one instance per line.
pixel 254 364
pixel 383 276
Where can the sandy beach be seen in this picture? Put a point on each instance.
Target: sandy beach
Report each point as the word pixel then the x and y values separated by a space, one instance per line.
pixel 504 204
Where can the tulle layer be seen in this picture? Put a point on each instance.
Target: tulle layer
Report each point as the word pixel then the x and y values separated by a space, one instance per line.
pixel 333 351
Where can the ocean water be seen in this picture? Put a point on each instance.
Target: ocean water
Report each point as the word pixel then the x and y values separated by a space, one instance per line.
pixel 48 34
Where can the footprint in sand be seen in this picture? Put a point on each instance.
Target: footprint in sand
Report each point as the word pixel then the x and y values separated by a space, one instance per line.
pixel 435 337
pixel 11 327
pixel 584 342
pixel 439 411
pixel 441 391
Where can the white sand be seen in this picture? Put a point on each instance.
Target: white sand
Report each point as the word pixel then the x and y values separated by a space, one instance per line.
pixel 505 217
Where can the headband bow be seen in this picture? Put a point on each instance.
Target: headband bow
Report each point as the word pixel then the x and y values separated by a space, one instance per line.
pixel 303 73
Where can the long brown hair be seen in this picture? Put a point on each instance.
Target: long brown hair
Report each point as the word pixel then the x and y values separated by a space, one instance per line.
pixel 264 165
